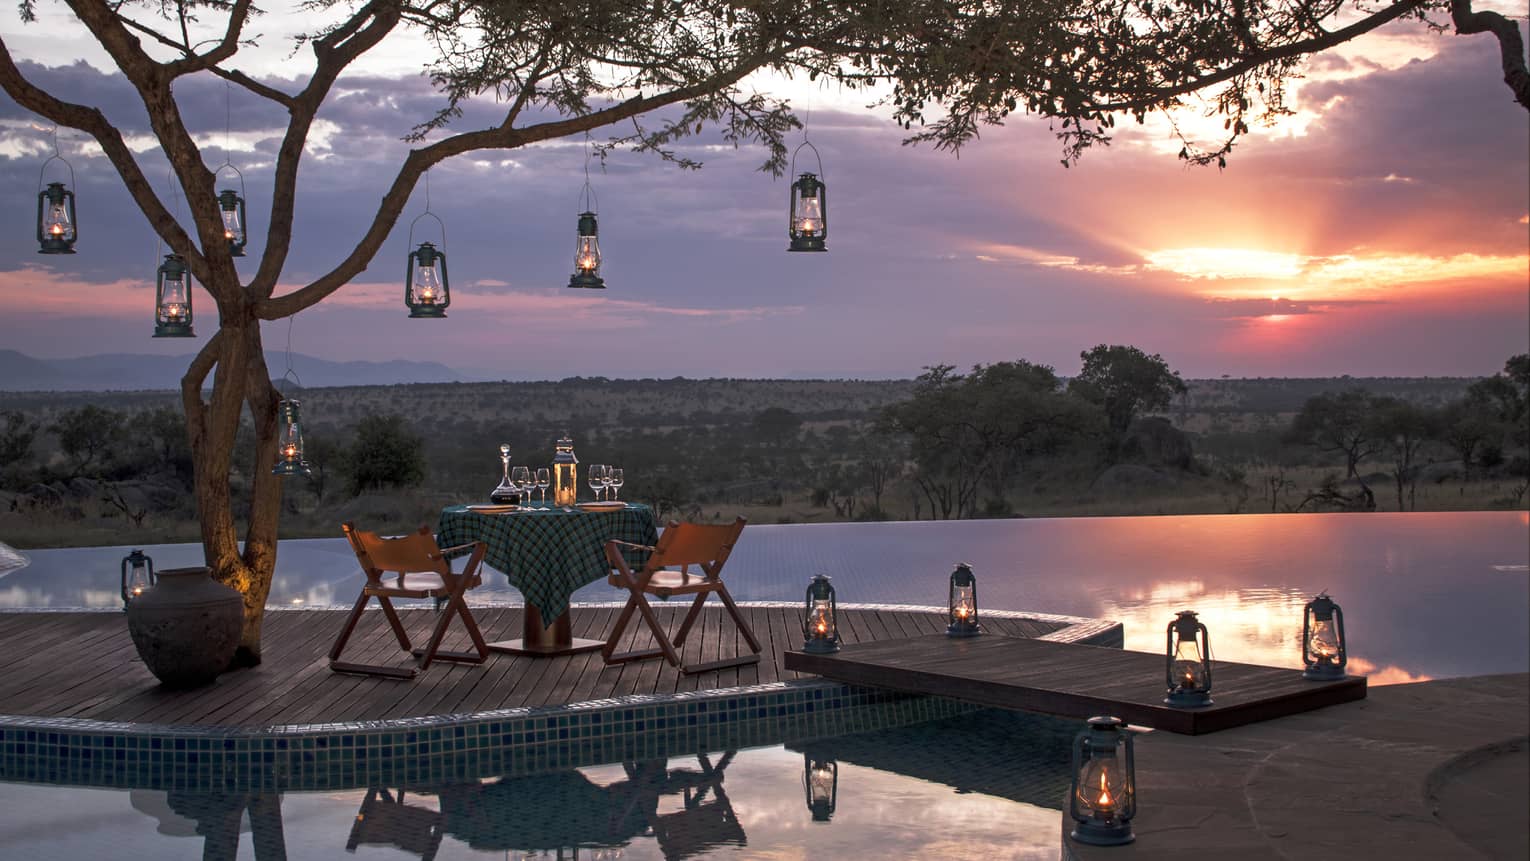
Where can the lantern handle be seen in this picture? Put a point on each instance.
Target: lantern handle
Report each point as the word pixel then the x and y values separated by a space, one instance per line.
pixel 43 174
pixel 438 221
pixel 588 202
pixel 237 172
pixel 809 144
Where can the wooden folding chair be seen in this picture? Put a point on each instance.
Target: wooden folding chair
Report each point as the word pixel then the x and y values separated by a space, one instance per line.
pixel 422 571
pixel 682 544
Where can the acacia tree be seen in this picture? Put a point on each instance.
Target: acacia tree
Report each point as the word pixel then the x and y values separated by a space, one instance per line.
pixel 568 67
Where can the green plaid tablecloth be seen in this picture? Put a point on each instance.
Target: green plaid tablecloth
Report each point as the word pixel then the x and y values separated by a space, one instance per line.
pixel 548 553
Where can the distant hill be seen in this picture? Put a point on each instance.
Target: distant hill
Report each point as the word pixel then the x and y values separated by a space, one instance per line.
pixel 135 372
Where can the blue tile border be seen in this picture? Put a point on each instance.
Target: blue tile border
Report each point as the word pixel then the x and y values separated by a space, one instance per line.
pixel 467 746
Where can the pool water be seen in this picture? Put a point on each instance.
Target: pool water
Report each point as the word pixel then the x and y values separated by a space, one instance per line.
pixel 988 784
pixel 1424 595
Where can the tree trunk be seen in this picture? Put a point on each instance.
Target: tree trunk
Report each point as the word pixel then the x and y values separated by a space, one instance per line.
pixel 239 377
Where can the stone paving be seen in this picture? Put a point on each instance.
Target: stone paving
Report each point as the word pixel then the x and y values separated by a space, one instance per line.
pixel 1434 770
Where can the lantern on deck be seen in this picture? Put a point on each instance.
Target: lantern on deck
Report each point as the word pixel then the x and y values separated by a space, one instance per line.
pixel 819 632
pixel 56 230
pixel 231 207
pixel 1187 662
pixel 137 576
pixel 427 290
pixel 1324 651
pixel 962 615
pixel 1103 797
pixel 565 473
pixel 820 785
pixel 587 254
pixel 289 445
pixel 172 300
pixel 808 213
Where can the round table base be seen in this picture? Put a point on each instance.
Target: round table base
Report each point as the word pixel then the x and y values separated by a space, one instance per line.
pixel 544 641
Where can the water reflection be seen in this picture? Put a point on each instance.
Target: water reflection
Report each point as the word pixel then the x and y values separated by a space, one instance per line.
pixel 985 785
pixel 1248 575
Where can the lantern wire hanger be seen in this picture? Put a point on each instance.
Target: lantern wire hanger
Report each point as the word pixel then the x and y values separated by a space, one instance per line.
pixel 230 204
pixel 427 289
pixel 60 233
pixel 289 443
pixel 587 244
pixel 172 286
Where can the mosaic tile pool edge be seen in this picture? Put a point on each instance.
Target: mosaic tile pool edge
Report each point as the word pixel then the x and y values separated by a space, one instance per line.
pixel 460 747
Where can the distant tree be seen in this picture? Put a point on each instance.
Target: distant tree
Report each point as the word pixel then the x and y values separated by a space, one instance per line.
pixel 88 437
pixel 1465 425
pixel 1401 429
pixel 162 433
pixel 883 458
pixel 324 455
pixel 777 425
pixel 944 447
pixel 16 436
pixel 1125 382
pixel 1338 423
pixel 384 453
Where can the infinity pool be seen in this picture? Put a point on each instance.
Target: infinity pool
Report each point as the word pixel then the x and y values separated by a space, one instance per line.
pixel 1425 595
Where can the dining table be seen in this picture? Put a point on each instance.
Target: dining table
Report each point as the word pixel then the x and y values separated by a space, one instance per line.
pixel 548 553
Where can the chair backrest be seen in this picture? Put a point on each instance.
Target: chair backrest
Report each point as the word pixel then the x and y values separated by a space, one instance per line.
pixel 696 544
pixel 416 552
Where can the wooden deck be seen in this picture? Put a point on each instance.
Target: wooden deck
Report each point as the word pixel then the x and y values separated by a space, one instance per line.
pixel 1073 680
pixel 83 665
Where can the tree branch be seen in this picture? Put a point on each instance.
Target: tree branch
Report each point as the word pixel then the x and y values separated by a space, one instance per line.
pixel 1510 45
pixel 498 138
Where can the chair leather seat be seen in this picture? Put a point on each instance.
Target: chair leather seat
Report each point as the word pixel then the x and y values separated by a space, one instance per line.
pixel 668 579
pixel 419 581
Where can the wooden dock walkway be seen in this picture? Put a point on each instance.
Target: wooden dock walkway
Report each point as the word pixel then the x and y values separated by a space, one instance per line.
pixel 83 665
pixel 1072 680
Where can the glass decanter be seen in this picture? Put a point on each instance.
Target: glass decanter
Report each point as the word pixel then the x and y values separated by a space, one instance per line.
pixel 506 492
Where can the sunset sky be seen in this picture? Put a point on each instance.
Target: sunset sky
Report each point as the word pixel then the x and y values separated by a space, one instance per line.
pixel 1381 230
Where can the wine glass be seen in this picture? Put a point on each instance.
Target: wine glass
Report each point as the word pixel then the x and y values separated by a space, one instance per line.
pixel 614 478
pixel 597 479
pixel 520 476
pixel 544 478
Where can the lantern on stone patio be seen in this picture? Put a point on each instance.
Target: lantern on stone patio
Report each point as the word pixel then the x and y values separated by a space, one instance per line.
pixel 565 473
pixel 1103 796
pixel 56 226
pixel 962 613
pixel 137 576
pixel 172 300
pixel 1187 662
pixel 820 635
pixel 820 785
pixel 231 207
pixel 1324 650
pixel 427 290
pixel 808 214
pixel 289 445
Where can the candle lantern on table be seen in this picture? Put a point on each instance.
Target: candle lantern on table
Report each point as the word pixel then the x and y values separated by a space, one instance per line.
pixel 962 616
pixel 820 784
pixel 1103 799
pixel 565 473
pixel 1187 661
pixel 137 576
pixel 1324 650
pixel 819 632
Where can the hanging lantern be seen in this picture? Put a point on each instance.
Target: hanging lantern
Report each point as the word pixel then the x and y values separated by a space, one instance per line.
pixel 1103 797
pixel 56 227
pixel 565 473
pixel 427 290
pixel 1324 650
pixel 962 616
pixel 808 213
pixel 172 300
pixel 231 206
pixel 820 785
pixel 819 633
pixel 137 576
pixel 1187 660
pixel 289 444
pixel 587 255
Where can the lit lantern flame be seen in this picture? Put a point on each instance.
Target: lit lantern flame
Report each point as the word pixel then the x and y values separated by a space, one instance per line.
pixel 1323 641
pixel 1104 802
